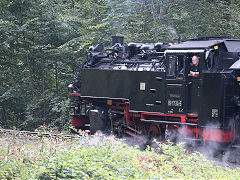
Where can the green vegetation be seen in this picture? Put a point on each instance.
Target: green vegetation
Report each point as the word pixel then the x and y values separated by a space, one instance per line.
pixel 100 157
pixel 44 42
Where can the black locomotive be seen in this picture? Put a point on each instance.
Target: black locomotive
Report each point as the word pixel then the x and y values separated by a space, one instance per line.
pixel 150 89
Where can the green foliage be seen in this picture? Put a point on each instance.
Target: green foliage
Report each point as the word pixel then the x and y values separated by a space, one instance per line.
pixel 201 18
pixel 99 157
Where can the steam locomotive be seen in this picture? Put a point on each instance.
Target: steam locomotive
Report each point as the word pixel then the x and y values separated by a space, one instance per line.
pixel 146 89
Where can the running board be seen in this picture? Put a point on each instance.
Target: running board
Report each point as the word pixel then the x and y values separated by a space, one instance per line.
pixel 168 122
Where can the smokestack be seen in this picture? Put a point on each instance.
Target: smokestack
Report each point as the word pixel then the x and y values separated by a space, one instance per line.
pixel 117 39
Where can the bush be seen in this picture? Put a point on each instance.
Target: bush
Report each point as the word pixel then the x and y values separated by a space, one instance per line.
pixel 99 157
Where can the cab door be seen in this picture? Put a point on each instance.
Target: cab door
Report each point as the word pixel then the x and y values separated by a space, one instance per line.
pixel 175 84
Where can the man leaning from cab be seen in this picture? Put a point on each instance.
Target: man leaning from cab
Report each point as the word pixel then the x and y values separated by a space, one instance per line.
pixel 194 69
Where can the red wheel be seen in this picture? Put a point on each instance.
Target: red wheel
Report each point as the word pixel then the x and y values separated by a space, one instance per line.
pixel 157 131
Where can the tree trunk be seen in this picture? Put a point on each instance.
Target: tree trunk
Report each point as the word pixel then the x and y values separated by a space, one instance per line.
pixel 56 76
pixel 31 79
pixel 43 83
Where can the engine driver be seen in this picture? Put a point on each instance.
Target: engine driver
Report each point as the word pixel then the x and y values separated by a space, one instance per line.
pixel 194 69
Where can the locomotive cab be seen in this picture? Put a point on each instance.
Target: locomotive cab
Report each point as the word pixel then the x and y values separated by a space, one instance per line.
pixel 209 97
pixel 182 89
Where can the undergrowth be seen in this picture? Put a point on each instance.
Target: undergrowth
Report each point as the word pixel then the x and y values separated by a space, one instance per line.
pixel 100 157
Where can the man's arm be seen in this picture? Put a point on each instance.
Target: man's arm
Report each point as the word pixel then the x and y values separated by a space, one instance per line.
pixel 194 74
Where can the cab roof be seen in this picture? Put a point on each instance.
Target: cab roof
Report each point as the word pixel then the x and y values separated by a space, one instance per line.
pixel 232 45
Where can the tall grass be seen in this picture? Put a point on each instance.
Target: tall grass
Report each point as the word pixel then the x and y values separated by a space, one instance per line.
pixel 100 157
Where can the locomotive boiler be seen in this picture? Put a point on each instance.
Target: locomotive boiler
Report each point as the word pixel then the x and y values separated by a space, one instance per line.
pixel 148 89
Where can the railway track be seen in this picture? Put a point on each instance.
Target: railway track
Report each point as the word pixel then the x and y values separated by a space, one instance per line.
pixel 36 134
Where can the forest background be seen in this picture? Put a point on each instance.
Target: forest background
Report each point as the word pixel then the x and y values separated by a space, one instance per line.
pixel 44 42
